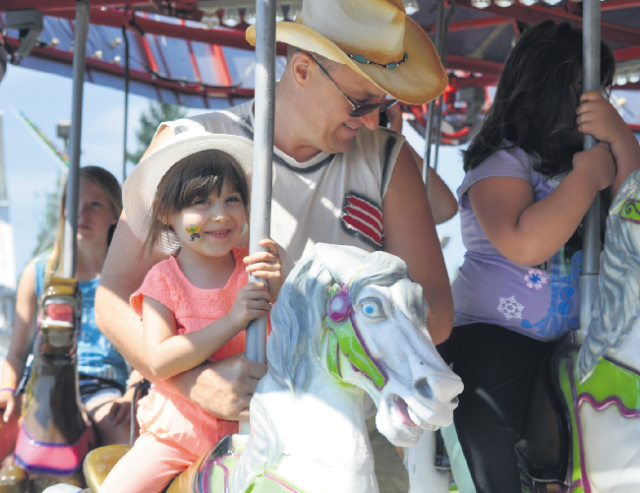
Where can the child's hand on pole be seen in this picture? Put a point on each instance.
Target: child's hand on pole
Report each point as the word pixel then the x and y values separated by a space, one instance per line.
pixel 267 265
pixel 253 301
pixel 598 117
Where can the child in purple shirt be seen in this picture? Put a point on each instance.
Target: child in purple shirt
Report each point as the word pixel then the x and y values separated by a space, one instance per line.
pixel 528 185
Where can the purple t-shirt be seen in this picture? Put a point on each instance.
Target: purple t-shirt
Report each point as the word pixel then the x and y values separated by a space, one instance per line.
pixel 540 301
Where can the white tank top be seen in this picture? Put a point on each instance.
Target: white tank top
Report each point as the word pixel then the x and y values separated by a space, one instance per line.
pixel 332 198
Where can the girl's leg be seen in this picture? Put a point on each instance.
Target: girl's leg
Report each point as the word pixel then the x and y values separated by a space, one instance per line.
pixel 149 467
pixel 497 367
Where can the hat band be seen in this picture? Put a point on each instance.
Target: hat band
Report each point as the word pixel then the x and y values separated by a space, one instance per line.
pixel 391 66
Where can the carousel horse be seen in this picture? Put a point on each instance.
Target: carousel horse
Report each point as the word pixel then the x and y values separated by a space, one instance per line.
pixel 54 432
pixel 346 325
pixel 585 431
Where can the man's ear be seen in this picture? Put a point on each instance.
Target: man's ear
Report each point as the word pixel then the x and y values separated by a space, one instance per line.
pixel 301 64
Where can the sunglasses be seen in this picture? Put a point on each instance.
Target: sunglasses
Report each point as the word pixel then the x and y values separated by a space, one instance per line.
pixel 358 109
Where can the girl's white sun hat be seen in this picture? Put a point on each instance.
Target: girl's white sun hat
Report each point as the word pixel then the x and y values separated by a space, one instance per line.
pixel 375 38
pixel 139 190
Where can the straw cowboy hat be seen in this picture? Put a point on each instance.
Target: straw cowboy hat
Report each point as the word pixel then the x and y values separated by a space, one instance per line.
pixel 375 38
pixel 139 190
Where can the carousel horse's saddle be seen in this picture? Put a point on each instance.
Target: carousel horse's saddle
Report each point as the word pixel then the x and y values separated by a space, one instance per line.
pixel 544 447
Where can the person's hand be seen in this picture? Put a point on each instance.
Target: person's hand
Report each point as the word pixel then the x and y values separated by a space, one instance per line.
pixel 267 265
pixel 598 117
pixel 394 115
pixel 120 411
pixel 596 164
pixel 252 301
pixel 8 406
pixel 223 388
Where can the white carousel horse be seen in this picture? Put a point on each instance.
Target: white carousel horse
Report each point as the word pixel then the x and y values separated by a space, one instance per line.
pixel 585 434
pixel 347 324
pixel 608 365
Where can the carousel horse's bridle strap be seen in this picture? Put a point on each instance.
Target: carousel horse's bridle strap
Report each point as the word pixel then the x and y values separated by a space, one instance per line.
pixel 345 336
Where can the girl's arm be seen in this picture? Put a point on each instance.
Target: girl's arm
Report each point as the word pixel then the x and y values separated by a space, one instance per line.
pixel 21 339
pixel 443 204
pixel 597 117
pixel 169 354
pixel 528 232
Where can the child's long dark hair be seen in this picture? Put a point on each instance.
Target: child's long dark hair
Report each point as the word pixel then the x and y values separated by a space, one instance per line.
pixel 536 99
pixel 190 179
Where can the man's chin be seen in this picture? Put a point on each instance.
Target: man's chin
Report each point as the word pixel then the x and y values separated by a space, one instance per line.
pixel 341 145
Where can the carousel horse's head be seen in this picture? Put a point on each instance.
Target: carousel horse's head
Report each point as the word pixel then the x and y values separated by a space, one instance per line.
pixel 359 317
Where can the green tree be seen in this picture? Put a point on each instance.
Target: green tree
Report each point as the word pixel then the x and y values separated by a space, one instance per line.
pixel 49 222
pixel 149 120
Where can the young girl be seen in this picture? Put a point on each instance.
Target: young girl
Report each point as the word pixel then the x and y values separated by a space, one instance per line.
pixel 190 199
pixel 528 185
pixel 103 371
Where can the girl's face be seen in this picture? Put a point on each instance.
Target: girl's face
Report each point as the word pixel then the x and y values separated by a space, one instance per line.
pixel 213 226
pixel 95 214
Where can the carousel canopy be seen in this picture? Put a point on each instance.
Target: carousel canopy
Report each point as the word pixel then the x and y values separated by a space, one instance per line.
pixel 194 53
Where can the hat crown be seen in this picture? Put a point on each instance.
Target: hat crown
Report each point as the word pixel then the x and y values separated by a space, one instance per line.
pixel 374 29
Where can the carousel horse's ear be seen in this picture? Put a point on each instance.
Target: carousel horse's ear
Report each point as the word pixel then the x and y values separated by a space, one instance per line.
pixel 342 262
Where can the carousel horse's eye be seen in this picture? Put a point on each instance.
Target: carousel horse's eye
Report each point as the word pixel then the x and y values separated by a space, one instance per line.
pixel 372 308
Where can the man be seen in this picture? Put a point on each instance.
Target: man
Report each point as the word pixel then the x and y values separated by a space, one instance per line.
pixel 339 178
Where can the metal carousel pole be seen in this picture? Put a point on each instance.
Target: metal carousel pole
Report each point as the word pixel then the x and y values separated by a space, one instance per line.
pixel 265 90
pixel 591 222
pixel 428 136
pixel 71 223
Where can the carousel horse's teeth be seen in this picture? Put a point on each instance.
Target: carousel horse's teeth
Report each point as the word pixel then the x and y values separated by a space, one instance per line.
pixel 414 417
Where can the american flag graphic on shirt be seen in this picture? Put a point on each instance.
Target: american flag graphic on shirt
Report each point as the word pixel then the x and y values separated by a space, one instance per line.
pixel 362 216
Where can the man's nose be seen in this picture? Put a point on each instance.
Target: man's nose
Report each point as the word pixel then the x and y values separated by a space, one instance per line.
pixel 371 120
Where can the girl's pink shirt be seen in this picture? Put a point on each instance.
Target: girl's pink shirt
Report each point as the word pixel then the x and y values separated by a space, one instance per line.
pixel 163 413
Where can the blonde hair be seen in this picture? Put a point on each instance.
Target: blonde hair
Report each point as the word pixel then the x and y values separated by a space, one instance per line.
pixel 108 183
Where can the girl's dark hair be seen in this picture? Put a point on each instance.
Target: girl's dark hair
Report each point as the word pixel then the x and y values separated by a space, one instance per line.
pixel 536 99
pixel 190 179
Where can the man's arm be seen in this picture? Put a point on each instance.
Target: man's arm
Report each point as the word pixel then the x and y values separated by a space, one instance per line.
pixel 410 233
pixel 224 388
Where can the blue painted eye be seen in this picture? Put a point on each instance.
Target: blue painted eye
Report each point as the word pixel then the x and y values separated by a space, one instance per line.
pixel 372 308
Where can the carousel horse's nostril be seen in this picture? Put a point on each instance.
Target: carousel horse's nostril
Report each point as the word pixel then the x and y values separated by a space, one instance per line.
pixel 423 388
pixel 439 387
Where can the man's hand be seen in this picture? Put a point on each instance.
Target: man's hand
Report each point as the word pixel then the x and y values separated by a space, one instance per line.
pixel 120 411
pixel 224 388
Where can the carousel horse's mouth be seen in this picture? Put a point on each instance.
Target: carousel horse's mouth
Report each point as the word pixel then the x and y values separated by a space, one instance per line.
pixel 405 420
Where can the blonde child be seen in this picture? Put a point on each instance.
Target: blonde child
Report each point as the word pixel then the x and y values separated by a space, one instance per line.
pixel 190 199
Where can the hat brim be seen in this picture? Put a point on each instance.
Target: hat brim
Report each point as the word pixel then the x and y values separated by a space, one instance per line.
pixel 139 190
pixel 419 80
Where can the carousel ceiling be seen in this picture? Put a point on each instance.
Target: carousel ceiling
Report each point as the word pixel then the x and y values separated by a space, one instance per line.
pixel 194 53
